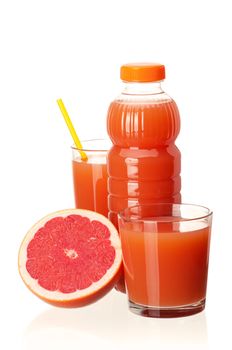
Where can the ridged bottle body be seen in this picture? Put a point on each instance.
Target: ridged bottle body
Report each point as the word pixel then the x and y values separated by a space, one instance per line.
pixel 144 163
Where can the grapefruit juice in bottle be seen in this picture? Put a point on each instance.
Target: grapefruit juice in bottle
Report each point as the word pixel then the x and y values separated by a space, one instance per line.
pixel 142 123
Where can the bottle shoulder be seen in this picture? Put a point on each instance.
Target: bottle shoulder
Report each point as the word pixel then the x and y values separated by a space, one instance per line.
pixel 124 98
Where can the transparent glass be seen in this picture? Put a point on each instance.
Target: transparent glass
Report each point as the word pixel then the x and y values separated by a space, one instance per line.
pixel 90 176
pixel 165 254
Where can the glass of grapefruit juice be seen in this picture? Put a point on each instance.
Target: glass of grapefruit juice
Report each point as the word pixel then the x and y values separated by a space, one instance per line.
pixel 165 255
pixel 90 176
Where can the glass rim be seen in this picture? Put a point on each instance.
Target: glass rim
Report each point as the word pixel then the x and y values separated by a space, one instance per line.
pixel 86 149
pixel 125 217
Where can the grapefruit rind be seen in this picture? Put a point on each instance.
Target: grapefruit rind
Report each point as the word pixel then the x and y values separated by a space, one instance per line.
pixel 79 297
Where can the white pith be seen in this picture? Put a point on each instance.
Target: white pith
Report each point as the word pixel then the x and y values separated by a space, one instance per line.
pixel 71 253
pixel 95 286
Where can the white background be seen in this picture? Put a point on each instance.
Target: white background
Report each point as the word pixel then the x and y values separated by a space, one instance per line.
pixel 73 49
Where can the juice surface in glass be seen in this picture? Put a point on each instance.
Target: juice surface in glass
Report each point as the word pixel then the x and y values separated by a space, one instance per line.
pixel 166 269
pixel 90 179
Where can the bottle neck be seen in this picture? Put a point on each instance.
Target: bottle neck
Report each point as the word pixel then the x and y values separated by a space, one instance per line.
pixel 152 88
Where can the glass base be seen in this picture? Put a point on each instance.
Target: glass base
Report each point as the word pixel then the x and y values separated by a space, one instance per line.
pixel 167 312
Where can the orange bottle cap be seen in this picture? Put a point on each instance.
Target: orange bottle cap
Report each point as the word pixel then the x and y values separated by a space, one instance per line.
pixel 142 72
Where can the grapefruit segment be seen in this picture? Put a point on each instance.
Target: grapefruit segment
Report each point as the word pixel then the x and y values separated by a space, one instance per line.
pixel 71 258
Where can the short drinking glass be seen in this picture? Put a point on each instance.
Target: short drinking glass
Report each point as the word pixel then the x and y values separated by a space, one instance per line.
pixel 165 254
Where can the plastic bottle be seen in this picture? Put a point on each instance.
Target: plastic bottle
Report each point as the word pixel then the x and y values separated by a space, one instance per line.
pixel 143 123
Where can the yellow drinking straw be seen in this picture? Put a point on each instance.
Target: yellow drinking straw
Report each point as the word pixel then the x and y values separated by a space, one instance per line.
pixel 70 126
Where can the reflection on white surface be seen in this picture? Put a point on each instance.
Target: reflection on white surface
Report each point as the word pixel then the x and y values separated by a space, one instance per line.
pixel 110 323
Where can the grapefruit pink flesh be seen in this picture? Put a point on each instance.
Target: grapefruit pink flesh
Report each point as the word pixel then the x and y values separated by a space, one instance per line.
pixel 71 258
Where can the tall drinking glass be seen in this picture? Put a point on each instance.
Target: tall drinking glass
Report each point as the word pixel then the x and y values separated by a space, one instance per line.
pixel 90 176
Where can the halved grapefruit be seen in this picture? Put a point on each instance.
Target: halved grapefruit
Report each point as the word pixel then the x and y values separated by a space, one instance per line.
pixel 71 258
